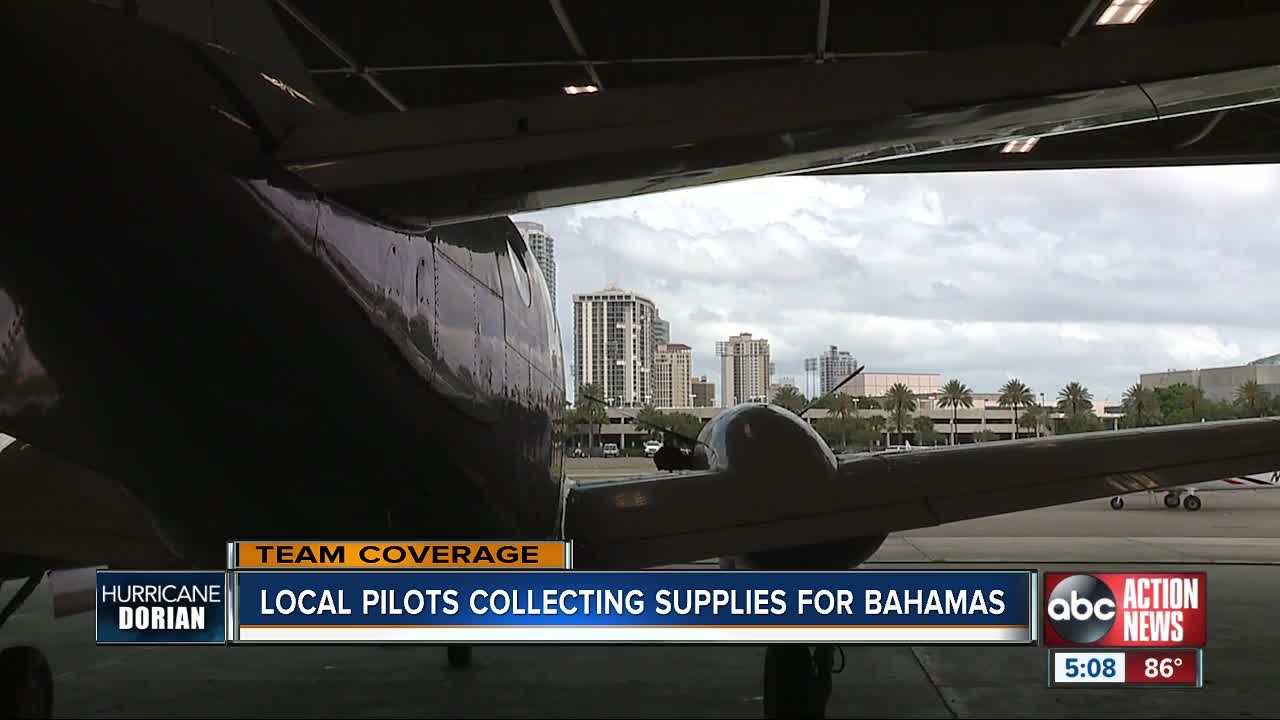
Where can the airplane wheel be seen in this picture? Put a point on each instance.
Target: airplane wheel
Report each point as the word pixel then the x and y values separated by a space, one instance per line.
pixel 26 684
pixel 1172 500
pixel 1192 503
pixel 795 686
pixel 459 655
pixel 1117 503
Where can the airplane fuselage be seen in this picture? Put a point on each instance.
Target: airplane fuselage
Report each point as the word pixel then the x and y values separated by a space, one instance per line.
pixel 241 353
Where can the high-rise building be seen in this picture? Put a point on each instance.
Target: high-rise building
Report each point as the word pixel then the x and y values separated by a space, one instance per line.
pixel 672 363
pixel 613 345
pixel 834 365
pixel 704 392
pixel 543 248
pixel 661 331
pixel 744 369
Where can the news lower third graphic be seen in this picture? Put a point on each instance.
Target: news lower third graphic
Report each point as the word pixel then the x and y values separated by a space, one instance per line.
pixel 1125 609
pixel 567 606
pixel 508 592
pixel 1128 667
pixel 415 555
pixel 152 608
pixel 1102 629
pixel 1125 629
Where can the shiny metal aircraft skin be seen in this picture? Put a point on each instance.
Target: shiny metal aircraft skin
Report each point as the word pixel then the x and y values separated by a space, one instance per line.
pixel 243 356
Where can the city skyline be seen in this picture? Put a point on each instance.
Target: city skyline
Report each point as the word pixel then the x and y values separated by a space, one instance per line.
pixel 672 383
pixel 978 276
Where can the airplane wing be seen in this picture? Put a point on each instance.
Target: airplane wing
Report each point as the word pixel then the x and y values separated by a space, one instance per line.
pixel 764 498
pixel 452 163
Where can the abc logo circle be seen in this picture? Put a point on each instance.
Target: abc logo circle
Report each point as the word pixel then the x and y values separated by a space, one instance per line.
pixel 1082 609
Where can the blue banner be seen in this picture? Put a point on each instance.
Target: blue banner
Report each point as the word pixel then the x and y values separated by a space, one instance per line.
pixel 139 607
pixel 988 606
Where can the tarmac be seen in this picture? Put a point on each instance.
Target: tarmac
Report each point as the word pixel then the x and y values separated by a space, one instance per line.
pixel 1235 538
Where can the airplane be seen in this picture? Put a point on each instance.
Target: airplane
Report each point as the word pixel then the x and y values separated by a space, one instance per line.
pixel 1187 496
pixel 234 310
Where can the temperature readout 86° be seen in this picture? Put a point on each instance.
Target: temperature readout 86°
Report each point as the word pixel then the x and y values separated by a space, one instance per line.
pixel 1127 667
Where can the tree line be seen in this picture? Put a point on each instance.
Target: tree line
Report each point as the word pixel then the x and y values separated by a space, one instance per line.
pixel 590 413
pixel 1183 403
pixel 844 428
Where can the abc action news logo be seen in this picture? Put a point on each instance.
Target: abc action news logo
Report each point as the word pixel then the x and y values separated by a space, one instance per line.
pixel 1125 609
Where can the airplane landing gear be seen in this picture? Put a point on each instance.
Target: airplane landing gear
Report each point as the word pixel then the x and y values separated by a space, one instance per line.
pixel 1172 500
pixel 26 683
pixel 459 656
pixel 1191 503
pixel 797 684
pixel 1117 503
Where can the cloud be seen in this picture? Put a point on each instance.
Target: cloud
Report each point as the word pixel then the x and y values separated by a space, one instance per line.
pixel 1051 276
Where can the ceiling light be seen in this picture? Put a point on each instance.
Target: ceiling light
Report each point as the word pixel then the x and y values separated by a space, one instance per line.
pixel 1020 145
pixel 576 89
pixel 1123 12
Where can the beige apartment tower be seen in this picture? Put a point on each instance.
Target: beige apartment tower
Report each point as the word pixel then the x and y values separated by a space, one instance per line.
pixel 744 369
pixel 672 368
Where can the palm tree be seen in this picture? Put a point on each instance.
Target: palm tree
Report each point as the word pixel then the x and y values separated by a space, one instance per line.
pixel 683 423
pixel 1075 399
pixel 955 394
pixel 1193 396
pixel 854 404
pixel 789 397
pixel 925 432
pixel 842 406
pixel 876 424
pixel 1016 394
pixel 652 419
pixel 1252 396
pixel 569 423
pixel 900 401
pixel 1031 419
pixel 1139 402
pixel 590 410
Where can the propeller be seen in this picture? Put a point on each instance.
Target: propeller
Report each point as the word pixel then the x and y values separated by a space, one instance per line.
pixel 830 392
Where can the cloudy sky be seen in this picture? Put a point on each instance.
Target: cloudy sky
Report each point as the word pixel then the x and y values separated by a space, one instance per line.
pixel 1093 276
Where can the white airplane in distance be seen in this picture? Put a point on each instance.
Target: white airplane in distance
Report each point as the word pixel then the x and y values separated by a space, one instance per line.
pixel 1186 496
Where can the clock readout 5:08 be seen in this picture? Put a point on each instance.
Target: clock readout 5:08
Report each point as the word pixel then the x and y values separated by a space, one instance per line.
pixel 1088 667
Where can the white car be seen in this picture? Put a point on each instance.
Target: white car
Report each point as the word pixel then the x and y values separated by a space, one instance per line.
pixel 611 450
pixel 651 447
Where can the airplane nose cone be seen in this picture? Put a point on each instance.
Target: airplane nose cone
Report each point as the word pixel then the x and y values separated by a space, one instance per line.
pixel 768 445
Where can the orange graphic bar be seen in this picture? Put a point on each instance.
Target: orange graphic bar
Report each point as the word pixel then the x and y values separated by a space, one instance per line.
pixel 400 555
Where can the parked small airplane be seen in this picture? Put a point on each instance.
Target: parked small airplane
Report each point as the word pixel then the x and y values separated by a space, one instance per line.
pixel 1187 495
